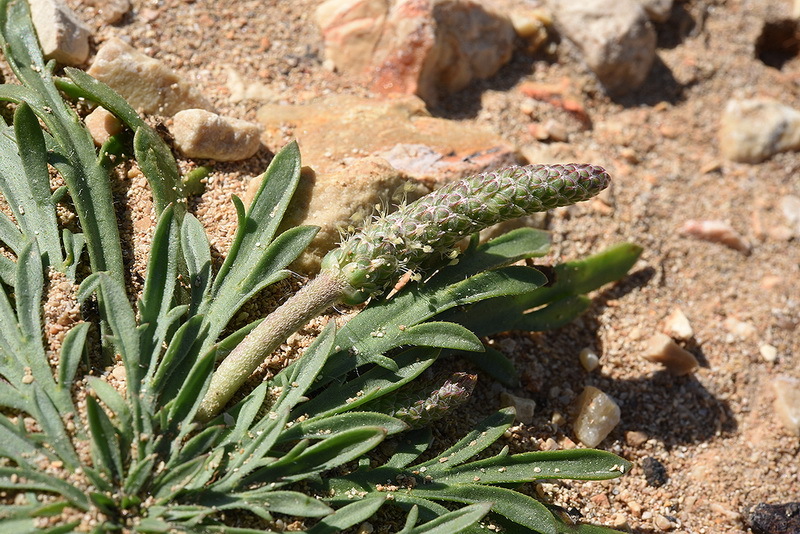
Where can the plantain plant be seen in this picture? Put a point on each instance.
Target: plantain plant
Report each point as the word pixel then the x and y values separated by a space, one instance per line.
pixel 76 453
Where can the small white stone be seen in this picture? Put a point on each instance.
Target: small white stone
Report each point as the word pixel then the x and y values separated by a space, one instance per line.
pixel 677 360
pixel 677 325
pixel 62 35
pixel 202 134
pixel 768 352
pixel 589 360
pixel 598 415
pixel 787 402
pixel 525 408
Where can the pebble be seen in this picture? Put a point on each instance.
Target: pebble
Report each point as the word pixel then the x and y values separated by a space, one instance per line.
pixel 146 83
pixel 775 518
pixel 655 474
pixel 662 349
pixel 716 232
pixel 635 438
pixel 589 360
pixel 615 37
pixel 753 130
pixel 787 402
pixel 112 11
pixel 102 124
pixel 405 46
pixel 741 329
pixel 598 415
pixel 525 408
pixel 768 352
pixel 677 325
pixel 62 35
pixel 202 134
pixel 662 523
pixel 790 206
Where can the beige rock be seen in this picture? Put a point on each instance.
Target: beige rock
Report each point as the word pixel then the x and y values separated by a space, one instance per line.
pixel 589 359
pixel 525 408
pixel 598 415
pixel 755 129
pixel 677 325
pixel 147 84
pixel 102 124
pixel 203 134
pixel 338 199
pixel 62 35
pixel 242 90
pixel 662 349
pixel 768 352
pixel 787 402
pixel 427 48
pixel 111 11
pixel 398 129
pixel 717 232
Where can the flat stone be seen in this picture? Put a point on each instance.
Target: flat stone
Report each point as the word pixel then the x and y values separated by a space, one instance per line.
pixel 525 408
pixel 790 206
pixel 202 134
pixel 677 360
pixel 398 129
pixel 146 83
pixel 102 124
pixel 598 415
pixel 787 402
pixel 340 199
pixel 677 325
pixel 427 48
pixel 717 232
pixel 753 130
pixel 615 37
pixel 62 35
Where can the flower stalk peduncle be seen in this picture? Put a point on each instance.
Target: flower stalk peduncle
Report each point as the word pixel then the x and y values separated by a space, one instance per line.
pixel 419 235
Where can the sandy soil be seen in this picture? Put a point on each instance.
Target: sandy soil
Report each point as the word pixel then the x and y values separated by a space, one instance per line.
pixel 714 431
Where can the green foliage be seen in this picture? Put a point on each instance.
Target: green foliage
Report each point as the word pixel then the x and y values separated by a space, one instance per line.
pixel 295 446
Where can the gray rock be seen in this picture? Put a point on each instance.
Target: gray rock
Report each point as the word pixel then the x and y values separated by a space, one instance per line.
pixel 755 129
pixel 427 48
pixel 616 38
pixel 775 518
pixel 203 134
pixel 62 35
pixel 146 83
pixel 657 10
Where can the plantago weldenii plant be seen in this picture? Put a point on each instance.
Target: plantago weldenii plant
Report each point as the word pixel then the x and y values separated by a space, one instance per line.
pixel 78 453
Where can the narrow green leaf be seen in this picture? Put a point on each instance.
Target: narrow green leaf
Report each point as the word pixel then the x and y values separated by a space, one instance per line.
pixel 39 217
pixel 191 393
pixel 370 385
pixel 487 432
pixel 16 479
pixel 72 349
pixel 516 506
pixel 73 244
pixel 324 427
pixel 410 447
pixel 554 315
pixel 11 397
pixel 440 334
pixel 118 406
pixel 197 255
pixel 348 516
pixel 49 418
pixel 10 234
pixel 181 355
pixel 454 521
pixel 334 451
pixel 585 275
pixel 105 442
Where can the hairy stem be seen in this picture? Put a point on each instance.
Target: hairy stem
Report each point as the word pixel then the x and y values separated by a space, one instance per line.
pixel 320 294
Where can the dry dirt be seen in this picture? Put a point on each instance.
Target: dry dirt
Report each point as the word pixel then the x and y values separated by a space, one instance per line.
pixel 714 431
